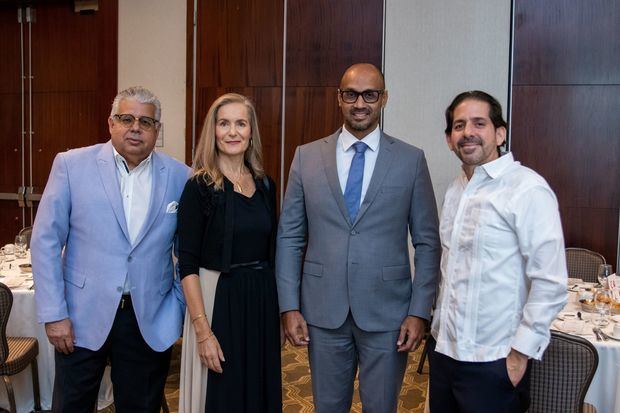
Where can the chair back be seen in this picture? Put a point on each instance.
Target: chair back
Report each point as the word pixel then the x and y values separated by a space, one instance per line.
pixel 560 381
pixel 583 263
pixel 6 302
pixel 27 231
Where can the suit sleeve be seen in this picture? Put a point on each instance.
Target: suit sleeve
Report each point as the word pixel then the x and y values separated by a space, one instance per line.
pixel 291 240
pixel 49 236
pixel 424 229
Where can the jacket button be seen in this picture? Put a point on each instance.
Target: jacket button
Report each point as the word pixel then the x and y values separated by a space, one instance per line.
pixel 129 258
pixel 354 232
pixel 119 289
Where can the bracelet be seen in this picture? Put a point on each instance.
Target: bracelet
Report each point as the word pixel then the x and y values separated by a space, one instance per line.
pixel 206 338
pixel 199 316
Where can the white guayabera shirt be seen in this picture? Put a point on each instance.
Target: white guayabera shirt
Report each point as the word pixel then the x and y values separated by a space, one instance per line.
pixel 503 265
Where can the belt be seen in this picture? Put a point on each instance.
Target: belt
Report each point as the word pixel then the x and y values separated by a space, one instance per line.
pixel 255 265
pixel 125 302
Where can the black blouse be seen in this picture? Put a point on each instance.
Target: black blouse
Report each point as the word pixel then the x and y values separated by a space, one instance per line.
pixel 206 222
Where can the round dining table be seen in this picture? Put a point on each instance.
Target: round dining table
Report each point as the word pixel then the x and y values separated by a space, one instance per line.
pixel 23 323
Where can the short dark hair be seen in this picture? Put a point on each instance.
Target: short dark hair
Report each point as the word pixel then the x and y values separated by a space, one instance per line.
pixel 495 109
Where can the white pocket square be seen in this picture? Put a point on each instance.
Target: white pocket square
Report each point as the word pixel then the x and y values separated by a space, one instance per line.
pixel 172 207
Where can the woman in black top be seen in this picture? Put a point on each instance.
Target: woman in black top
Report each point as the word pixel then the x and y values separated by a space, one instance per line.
pixel 227 226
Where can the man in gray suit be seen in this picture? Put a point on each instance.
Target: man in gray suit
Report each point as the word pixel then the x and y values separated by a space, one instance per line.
pixel 351 200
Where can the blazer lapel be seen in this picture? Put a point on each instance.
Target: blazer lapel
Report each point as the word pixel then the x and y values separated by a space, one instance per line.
pixel 382 166
pixel 158 190
pixel 107 171
pixel 328 155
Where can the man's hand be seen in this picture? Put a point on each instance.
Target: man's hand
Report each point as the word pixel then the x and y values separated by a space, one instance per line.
pixel 60 335
pixel 516 364
pixel 411 334
pixel 295 328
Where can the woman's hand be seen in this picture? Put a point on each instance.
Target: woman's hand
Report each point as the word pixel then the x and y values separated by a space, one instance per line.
pixel 209 351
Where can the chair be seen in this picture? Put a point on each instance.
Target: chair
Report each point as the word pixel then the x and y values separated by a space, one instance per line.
pixel 560 381
pixel 16 353
pixel 27 231
pixel 583 263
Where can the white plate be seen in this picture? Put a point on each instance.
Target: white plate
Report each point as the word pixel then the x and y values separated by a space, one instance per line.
pixel 610 333
pixel 572 281
pixel 615 318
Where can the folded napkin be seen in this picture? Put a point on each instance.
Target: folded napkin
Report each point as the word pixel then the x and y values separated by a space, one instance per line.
pixel 12 282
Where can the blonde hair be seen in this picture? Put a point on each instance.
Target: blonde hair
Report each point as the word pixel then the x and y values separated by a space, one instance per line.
pixel 205 159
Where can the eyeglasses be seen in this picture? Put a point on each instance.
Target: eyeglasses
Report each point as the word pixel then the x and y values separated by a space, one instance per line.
pixel 144 122
pixel 369 96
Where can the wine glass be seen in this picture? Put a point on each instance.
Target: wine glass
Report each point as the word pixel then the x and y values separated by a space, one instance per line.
pixel 21 245
pixel 602 302
pixel 604 271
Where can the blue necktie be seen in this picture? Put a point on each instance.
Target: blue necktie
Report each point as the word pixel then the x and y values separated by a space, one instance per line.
pixel 353 190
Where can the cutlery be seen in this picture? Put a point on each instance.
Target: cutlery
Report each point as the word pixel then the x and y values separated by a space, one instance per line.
pixel 598 336
pixel 608 337
pixel 600 333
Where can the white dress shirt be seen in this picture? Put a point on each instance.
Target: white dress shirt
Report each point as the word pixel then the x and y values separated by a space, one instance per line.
pixel 345 152
pixel 503 265
pixel 135 186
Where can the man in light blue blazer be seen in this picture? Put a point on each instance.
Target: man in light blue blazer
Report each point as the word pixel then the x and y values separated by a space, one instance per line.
pixel 351 202
pixel 102 262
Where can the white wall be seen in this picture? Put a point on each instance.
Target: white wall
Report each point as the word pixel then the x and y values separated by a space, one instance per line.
pixel 433 51
pixel 152 53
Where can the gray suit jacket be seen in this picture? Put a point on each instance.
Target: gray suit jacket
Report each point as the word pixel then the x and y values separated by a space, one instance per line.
pixel 363 266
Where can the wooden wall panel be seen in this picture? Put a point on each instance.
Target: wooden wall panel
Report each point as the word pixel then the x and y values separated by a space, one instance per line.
pixel 74 79
pixel 239 43
pixel 311 113
pixel 240 48
pixel 567 42
pixel 565 101
pixel 325 37
pixel 576 149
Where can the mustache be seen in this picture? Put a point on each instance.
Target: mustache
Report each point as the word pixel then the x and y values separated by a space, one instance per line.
pixel 355 111
pixel 469 139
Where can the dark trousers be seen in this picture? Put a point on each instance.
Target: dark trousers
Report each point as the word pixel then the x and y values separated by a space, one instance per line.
pixel 474 387
pixel 138 372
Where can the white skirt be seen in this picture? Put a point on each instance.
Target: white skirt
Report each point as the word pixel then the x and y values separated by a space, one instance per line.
pixel 193 386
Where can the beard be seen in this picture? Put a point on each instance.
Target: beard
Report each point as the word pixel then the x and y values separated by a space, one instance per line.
pixel 361 125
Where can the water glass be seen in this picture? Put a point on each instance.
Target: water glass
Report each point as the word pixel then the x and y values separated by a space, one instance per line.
pixel 21 246
pixel 604 271
pixel 602 302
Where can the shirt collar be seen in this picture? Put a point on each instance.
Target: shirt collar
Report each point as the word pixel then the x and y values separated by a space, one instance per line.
pixel 121 163
pixel 372 139
pixel 497 167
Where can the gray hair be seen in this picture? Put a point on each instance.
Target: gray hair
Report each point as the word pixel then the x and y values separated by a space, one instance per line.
pixel 139 94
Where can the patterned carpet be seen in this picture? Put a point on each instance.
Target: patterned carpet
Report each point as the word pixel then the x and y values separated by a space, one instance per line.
pixel 297 387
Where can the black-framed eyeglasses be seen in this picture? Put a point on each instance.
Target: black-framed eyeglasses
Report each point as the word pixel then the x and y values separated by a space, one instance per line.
pixel 369 96
pixel 144 122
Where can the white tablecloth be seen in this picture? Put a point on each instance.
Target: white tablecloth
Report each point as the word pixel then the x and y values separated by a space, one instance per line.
pixel 604 392
pixel 23 322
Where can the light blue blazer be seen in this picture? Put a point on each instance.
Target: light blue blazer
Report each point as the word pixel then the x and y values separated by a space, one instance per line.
pixel 81 251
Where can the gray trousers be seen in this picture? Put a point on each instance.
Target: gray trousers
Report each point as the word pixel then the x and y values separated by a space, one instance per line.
pixel 334 358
